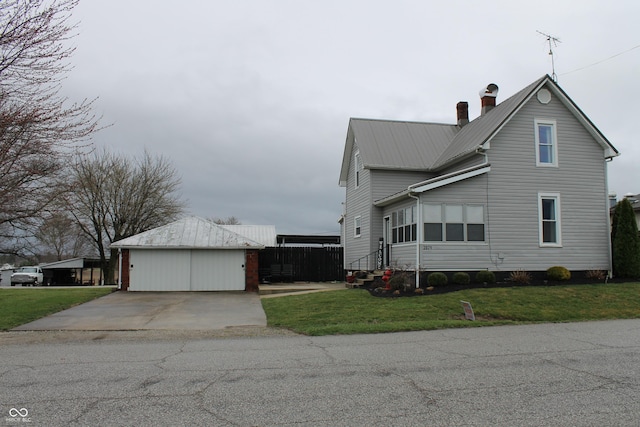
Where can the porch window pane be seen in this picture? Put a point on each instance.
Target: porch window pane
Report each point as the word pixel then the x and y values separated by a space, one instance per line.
pixel 475 232
pixel 455 232
pixel 432 213
pixel 433 232
pixel 453 213
pixel 475 214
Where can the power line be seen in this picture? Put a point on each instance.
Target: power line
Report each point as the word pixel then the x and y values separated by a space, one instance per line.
pixel 601 61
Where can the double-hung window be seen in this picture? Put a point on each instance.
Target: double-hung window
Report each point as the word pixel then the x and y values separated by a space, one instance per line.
pixel 404 225
pixel 549 219
pixel 357 226
pixel 546 143
pixel 453 223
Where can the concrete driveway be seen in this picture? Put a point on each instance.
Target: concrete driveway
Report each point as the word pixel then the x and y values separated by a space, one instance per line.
pixel 123 311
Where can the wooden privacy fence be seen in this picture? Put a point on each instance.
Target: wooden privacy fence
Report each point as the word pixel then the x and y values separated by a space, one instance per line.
pixel 307 264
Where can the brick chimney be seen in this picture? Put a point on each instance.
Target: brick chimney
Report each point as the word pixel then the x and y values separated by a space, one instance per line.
pixel 463 113
pixel 488 97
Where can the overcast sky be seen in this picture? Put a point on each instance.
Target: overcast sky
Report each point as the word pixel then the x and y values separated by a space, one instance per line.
pixel 251 99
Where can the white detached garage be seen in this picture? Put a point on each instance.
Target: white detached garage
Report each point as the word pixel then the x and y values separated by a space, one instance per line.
pixel 192 254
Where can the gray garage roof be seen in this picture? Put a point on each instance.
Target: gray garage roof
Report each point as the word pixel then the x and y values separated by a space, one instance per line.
pixel 263 234
pixel 189 233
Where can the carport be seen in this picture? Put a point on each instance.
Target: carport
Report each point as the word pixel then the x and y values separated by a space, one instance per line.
pixel 74 271
pixel 192 254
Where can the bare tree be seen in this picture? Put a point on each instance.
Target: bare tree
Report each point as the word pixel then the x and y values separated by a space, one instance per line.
pixel 231 220
pixel 61 236
pixel 39 128
pixel 114 197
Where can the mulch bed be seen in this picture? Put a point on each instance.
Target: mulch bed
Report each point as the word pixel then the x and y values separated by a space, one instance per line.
pixel 377 290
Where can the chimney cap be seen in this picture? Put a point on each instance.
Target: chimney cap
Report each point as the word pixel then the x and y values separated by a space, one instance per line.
pixel 491 90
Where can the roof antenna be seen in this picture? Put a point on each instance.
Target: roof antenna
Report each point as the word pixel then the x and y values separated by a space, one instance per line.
pixel 551 40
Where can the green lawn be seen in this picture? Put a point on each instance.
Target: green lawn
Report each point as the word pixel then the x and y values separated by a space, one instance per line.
pixel 20 306
pixel 352 311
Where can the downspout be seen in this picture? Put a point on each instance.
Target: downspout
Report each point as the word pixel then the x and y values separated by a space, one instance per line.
pixel 608 214
pixel 483 151
pixel 419 235
pixel 119 268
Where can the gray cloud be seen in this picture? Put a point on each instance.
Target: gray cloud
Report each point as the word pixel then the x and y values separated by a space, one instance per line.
pixel 251 99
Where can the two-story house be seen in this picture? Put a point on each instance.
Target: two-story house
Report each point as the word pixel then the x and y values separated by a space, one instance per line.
pixel 522 186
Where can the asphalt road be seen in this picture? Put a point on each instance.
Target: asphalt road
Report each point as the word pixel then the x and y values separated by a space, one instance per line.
pixel 575 374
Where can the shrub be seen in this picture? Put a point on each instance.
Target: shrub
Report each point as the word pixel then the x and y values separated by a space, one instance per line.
pixel 625 242
pixel 402 281
pixel 485 276
pixel 396 282
pixel 595 275
pixel 521 277
pixel 558 273
pixel 437 279
pixel 461 278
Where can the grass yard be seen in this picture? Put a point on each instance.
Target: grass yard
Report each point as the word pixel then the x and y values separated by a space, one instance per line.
pixel 20 306
pixel 355 311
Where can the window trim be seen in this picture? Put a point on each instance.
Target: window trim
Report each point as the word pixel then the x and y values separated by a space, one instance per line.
pixel 406 220
pixel 558 220
pixel 465 223
pixel 358 167
pixel 357 226
pixel 554 145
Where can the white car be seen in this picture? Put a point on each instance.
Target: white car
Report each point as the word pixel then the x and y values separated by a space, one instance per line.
pixel 26 276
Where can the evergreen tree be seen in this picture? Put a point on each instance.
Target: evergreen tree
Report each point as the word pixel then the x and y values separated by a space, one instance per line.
pixel 625 242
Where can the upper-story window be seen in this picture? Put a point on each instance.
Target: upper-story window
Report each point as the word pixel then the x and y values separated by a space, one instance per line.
pixel 358 167
pixel 546 143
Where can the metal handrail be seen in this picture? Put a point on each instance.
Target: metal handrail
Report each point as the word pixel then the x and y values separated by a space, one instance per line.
pixel 377 253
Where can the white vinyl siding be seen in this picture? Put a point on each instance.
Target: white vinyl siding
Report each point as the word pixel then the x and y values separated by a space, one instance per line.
pixel 515 182
pixel 357 204
pixel 546 143
pixel 549 217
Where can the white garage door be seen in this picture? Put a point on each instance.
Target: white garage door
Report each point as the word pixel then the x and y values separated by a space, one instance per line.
pixel 186 270
pixel 217 270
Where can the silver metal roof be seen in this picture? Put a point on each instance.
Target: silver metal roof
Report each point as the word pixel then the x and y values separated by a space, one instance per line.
pixel 401 145
pixel 67 263
pixel 189 233
pixel 263 234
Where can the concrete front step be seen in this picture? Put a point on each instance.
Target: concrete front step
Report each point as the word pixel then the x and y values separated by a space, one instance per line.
pixel 365 282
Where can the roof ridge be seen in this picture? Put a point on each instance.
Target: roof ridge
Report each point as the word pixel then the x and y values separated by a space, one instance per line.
pixel 404 121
